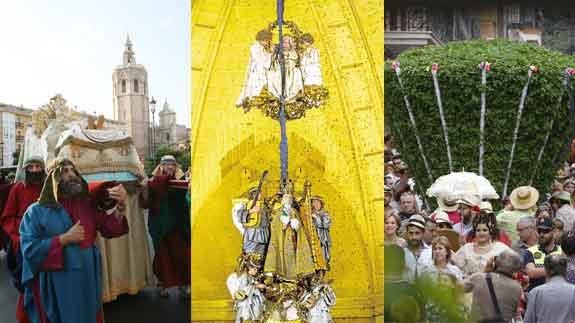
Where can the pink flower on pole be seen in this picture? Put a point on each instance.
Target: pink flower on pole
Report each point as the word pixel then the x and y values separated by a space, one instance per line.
pixel 485 65
pixel 534 69
pixel 434 68
pixel 395 65
pixel 570 71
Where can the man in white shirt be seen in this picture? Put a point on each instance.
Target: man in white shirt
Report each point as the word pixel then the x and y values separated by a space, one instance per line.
pixel 417 253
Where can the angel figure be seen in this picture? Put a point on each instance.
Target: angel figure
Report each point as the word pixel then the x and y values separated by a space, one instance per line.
pixel 322 223
pixel 253 223
pixel 310 65
pixel 318 300
pixel 260 61
pixel 293 73
pixel 246 290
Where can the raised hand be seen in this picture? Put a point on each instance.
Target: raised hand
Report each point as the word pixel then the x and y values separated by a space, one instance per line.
pixel 75 234
pixel 118 193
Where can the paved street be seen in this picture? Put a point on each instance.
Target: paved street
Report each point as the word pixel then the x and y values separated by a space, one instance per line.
pixel 144 307
pixel 8 294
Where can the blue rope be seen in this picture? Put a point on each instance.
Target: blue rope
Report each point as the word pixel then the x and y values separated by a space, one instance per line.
pixel 282 116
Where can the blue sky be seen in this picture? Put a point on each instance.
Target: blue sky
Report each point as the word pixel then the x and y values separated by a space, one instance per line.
pixel 72 47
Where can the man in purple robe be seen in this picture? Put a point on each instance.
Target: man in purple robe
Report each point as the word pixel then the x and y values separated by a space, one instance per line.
pixel 61 264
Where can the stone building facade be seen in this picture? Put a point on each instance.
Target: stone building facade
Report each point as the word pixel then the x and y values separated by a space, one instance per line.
pixel 13 123
pixel 418 23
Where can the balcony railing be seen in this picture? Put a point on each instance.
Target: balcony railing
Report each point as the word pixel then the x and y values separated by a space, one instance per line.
pixel 444 24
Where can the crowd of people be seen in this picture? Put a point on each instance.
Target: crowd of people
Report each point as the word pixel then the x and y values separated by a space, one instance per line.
pixel 512 265
pixel 50 221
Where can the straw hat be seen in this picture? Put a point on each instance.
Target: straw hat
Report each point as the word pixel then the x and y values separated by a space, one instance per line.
pixel 441 217
pixel 416 220
pixel 402 166
pixel 447 206
pixel 168 159
pixel 524 197
pixel 486 207
pixel 562 195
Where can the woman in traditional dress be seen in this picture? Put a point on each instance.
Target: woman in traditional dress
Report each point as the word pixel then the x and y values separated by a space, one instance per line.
pixel 473 256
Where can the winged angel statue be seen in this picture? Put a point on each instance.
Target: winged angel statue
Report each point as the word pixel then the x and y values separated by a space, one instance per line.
pixel 303 78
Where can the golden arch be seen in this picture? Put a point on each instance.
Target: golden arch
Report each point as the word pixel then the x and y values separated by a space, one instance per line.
pixel 339 147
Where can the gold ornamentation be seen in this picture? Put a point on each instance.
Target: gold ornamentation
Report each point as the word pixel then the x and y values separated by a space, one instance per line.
pixel 312 96
pixel 319 261
pixel 56 108
pixel 240 296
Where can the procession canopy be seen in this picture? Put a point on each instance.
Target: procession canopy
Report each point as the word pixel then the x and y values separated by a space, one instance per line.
pixel 99 154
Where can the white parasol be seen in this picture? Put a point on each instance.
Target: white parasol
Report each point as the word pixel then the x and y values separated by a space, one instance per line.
pixel 462 185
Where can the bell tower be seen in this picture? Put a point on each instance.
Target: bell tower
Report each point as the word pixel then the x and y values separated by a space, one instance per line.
pixel 168 130
pixel 131 102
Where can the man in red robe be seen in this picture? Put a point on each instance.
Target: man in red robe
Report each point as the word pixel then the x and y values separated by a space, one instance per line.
pixel 21 196
pixel 61 267
pixel 169 226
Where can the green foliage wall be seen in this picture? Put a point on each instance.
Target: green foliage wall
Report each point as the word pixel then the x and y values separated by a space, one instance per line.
pixel 460 82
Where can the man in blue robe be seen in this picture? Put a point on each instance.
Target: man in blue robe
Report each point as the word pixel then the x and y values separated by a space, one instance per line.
pixel 61 264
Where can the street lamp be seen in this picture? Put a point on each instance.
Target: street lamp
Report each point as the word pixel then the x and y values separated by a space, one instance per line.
pixel 153 110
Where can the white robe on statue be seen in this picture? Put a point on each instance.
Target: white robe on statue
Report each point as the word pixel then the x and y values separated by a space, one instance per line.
pixel 320 312
pixel 311 67
pixel 260 61
pixel 249 301
pixel 293 77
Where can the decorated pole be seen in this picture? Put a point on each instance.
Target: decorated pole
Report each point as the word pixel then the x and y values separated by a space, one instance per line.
pixel 282 114
pixel 434 69
pixel 485 67
pixel 532 69
pixel 396 67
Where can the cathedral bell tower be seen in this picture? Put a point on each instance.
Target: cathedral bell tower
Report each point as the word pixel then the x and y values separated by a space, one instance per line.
pixel 131 99
pixel 168 127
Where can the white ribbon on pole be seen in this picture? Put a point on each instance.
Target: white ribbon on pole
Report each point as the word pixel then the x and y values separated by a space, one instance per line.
pixel 397 70
pixel 516 131
pixel 434 69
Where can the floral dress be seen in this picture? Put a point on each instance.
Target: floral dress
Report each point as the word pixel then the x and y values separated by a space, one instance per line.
pixel 471 262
